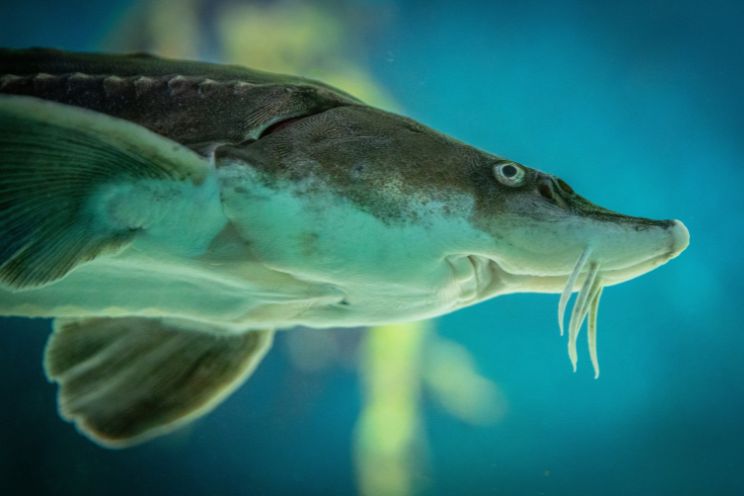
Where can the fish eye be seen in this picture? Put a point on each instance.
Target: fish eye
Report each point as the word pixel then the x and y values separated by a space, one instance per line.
pixel 509 173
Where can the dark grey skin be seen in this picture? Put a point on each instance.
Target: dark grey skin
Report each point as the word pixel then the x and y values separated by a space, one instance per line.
pixel 191 103
pixel 222 109
pixel 289 203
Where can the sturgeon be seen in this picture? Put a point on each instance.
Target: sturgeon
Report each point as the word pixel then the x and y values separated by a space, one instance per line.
pixel 170 215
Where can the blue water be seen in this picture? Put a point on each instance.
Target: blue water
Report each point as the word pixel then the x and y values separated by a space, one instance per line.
pixel 639 106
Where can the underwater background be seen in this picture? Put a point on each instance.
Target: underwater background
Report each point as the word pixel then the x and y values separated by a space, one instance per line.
pixel 639 105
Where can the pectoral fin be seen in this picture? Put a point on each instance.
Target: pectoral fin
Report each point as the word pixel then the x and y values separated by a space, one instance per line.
pixel 123 381
pixel 54 160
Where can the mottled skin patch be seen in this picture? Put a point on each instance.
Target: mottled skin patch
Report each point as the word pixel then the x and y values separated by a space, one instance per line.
pixel 309 243
pixel 384 162
pixel 381 162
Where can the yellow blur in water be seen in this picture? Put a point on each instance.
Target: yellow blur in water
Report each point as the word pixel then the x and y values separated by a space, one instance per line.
pixel 388 440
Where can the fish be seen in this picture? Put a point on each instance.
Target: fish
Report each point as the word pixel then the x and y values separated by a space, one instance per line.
pixel 171 215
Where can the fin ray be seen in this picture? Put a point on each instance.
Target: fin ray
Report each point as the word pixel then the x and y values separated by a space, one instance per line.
pixel 123 381
pixel 53 158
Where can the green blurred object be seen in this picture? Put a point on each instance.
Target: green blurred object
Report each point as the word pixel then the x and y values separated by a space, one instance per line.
pixel 297 39
pixel 449 371
pixel 389 440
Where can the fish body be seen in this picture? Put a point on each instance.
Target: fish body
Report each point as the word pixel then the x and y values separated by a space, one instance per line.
pixel 182 196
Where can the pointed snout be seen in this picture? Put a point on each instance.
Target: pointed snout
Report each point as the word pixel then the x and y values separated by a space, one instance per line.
pixel 680 238
pixel 557 191
pixel 626 246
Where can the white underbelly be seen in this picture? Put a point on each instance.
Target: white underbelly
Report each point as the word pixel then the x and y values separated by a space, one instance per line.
pixel 135 284
pixel 236 296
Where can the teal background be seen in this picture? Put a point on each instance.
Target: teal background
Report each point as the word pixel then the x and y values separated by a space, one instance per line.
pixel 639 106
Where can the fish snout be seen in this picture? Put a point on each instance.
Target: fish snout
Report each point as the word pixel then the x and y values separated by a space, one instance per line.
pixel 680 238
pixel 558 192
pixel 625 245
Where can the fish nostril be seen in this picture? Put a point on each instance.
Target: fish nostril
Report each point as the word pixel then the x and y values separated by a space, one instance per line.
pixel 546 191
pixel 563 185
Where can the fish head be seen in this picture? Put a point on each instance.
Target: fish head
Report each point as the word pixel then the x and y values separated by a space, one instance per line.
pixel 527 226
pixel 541 228
pixel 501 226
pixel 547 238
